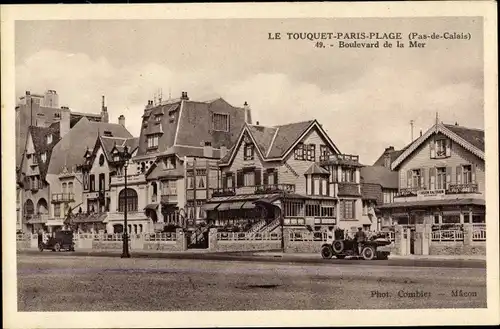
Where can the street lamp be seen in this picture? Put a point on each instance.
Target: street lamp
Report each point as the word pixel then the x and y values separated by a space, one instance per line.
pixel 125 156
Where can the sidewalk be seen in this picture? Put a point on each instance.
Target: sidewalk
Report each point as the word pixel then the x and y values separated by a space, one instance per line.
pixel 391 256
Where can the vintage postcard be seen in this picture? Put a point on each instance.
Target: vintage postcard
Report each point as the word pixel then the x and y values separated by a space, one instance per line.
pixel 201 165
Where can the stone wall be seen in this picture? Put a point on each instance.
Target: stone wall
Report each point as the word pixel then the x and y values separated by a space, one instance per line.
pixel 229 246
pixel 457 248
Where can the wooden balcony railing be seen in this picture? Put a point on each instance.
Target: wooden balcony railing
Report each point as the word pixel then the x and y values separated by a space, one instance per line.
pixel 63 197
pixel 274 188
pixel 339 157
pixel 404 192
pixel 227 191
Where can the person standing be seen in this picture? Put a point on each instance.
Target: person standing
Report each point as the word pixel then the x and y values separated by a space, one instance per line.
pixel 360 238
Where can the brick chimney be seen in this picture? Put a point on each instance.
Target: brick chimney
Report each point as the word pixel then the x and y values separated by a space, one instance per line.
pixel 389 149
pixel 121 120
pixel 104 111
pixel 248 113
pixel 208 150
pixel 184 96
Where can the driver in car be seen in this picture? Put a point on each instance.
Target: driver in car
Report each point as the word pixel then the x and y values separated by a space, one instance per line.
pixel 360 238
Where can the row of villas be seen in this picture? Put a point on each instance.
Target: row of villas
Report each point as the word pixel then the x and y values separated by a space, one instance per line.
pixel 204 163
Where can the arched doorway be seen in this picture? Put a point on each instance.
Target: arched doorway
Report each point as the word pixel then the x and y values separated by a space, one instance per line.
pixel 29 208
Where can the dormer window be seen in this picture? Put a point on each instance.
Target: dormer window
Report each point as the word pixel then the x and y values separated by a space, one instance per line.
pixel 153 141
pixel 101 160
pixel 299 152
pixel 311 152
pixel 108 134
pixel 49 139
pixel 158 118
pixel 248 152
pixel 44 157
pixel 220 122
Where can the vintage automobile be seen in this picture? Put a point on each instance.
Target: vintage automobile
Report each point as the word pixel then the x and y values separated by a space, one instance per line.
pixel 375 248
pixel 60 240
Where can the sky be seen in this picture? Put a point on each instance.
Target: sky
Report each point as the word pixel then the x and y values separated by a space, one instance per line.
pixel 364 98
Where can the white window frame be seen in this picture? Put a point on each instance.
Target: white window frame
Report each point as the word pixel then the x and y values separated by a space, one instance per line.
pixel 153 141
pixel 467 174
pixel 249 178
pixel 440 178
pixel 215 122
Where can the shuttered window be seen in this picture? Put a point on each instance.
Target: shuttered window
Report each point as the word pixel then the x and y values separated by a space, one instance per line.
pixel 441 178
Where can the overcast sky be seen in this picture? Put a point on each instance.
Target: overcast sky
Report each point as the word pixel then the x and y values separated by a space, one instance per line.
pixel 365 98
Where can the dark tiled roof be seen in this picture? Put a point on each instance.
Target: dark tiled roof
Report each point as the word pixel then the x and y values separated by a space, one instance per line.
pixel 372 192
pixel 380 175
pixel 316 169
pixel 263 136
pixel 39 136
pixel 473 136
pixel 108 143
pixel 286 136
pixel 68 152
pixel 392 154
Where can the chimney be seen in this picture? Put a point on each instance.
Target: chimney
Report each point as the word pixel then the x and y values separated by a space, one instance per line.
pixel 184 96
pixel 64 123
pixel 389 149
pixel 456 123
pixel 121 120
pixel 208 150
pixel 420 132
pixel 223 151
pixel 257 123
pixel 248 113
pixel 104 111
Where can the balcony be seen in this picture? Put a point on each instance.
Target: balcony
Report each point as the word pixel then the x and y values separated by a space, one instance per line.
pixel 37 219
pixel 406 192
pixel 462 188
pixel 168 198
pixel 348 189
pixel 63 197
pixel 340 159
pixel 274 188
pixel 226 191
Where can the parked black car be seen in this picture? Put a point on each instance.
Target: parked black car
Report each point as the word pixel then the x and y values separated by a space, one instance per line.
pixel 60 240
pixel 373 248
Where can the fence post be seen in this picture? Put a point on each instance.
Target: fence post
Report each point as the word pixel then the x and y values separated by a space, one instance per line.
pixel 468 228
pixel 180 239
pixel 286 239
pixel 419 239
pixel 399 241
pixel 212 239
pixel 427 237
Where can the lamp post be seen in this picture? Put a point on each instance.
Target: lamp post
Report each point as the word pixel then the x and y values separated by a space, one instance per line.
pixel 125 156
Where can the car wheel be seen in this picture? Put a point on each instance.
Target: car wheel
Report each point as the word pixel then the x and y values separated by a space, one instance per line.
pixel 368 253
pixel 338 246
pixel 57 247
pixel 340 256
pixel 326 252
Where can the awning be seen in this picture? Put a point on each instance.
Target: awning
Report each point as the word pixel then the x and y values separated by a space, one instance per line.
pixel 210 206
pixel 231 205
pixel 151 206
pixel 224 206
pixel 248 205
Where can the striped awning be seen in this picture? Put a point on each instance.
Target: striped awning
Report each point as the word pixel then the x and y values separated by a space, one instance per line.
pixel 248 205
pixel 210 206
pixel 231 205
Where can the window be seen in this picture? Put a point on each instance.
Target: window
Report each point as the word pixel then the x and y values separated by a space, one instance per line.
pixel 313 210
pixel 436 219
pixel 85 181
pixel 132 200
pixel 29 207
pixel 190 180
pixel 57 210
pixel 201 181
pixel 311 152
pixel 221 122
pixel 92 183
pixel 44 157
pixel 170 163
pixel 248 151
pixel 270 178
pixel 102 182
pixel 65 188
pixel 348 211
pixel 328 211
pixel 441 147
pixel 416 175
pixel 70 187
pixel 157 118
pixel 249 178
pixel 49 139
pixel 324 152
pixel 441 178
pixel 108 133
pixel 299 152
pixel 101 160
pixel 348 175
pixel 169 187
pixel 230 180
pixel 451 219
pixel 153 141
pixel 466 174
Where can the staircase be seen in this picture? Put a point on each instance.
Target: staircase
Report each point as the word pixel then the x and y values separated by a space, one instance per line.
pixel 197 238
pixel 257 227
pixel 271 226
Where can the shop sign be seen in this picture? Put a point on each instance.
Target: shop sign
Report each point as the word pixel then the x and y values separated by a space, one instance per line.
pixel 431 193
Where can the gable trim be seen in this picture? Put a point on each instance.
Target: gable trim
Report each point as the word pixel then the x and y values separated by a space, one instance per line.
pixel 307 131
pixel 431 131
pixel 237 146
pixel 178 122
pixel 272 142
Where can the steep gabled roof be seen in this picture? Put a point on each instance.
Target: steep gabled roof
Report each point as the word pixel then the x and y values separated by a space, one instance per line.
pixel 274 143
pixel 393 155
pixel 68 152
pixel 110 143
pixel 39 137
pixel 316 169
pixel 382 176
pixel 470 139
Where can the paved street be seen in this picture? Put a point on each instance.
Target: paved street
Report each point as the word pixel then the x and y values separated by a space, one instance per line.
pixel 83 283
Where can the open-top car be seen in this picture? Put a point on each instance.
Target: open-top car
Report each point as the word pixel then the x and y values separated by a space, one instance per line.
pixel 374 248
pixel 60 240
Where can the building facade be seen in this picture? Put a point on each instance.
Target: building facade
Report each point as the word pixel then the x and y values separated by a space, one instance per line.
pixel 441 178
pixel 175 168
pixel 292 171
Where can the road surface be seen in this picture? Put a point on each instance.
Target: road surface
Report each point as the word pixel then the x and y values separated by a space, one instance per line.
pixel 79 283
